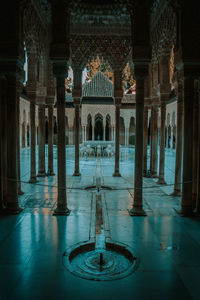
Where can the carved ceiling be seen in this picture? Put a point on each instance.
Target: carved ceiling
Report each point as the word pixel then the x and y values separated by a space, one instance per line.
pixel 94 17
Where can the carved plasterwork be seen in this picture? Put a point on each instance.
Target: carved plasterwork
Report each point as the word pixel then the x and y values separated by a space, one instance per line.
pixel 164 33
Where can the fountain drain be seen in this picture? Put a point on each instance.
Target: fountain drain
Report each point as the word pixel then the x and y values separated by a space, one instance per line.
pixel 100 258
pixel 115 262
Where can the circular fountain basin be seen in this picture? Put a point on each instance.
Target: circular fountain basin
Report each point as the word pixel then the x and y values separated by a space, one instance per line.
pixel 115 262
pixel 93 187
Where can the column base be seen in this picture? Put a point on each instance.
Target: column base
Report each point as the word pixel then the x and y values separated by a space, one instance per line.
pixel 145 174
pixel 154 175
pixel 50 173
pixel 186 211
pixel 76 174
pixel 20 192
pixel 41 174
pixel 116 174
pixel 59 211
pixel 161 181
pixel 137 212
pixel 176 193
pixel 33 180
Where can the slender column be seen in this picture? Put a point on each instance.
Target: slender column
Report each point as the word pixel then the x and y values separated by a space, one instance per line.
pixel 50 141
pixel 93 138
pixel 104 132
pixel 151 146
pixel 4 122
pixel 145 140
pixel 197 209
pixel 126 136
pixel 195 146
pixel 62 208
pixel 20 192
pixel 2 126
pixel 161 179
pixel 112 133
pixel 12 147
pixel 33 178
pixel 155 142
pixel 77 107
pixel 179 141
pixel 186 201
pixel 137 209
pixel 117 119
pixel 41 150
pixel 83 134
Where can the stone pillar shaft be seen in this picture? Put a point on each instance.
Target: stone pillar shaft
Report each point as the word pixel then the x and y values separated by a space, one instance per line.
pixel 104 132
pixel 186 203
pixel 195 146
pixel 155 142
pixel 161 179
pixel 33 142
pixel 18 147
pixel 117 132
pixel 179 141
pixel 4 121
pixel 41 150
pixel 12 145
pixel 50 141
pixel 77 108
pixel 151 146
pixel 137 204
pixel 2 141
pixel 61 156
pixel 145 140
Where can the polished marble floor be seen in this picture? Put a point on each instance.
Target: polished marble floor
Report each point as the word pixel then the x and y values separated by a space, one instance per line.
pixel 32 244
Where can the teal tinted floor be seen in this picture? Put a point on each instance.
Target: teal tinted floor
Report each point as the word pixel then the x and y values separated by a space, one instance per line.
pixel 32 244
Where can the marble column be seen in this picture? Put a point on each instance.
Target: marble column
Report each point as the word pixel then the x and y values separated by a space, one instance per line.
pixel 20 192
pixel 77 108
pixel 155 142
pixel 41 148
pixel 137 209
pixel 186 201
pixel 145 141
pixel 2 126
pixel 61 208
pixel 93 137
pixel 117 131
pixel 161 179
pixel 195 146
pixel 50 141
pixel 12 206
pixel 151 145
pixel 33 178
pixel 197 209
pixel 126 136
pixel 112 133
pixel 104 132
pixel 83 134
pixel 179 141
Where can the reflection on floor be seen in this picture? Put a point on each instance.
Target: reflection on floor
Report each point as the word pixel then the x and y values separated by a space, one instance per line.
pixel 32 244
